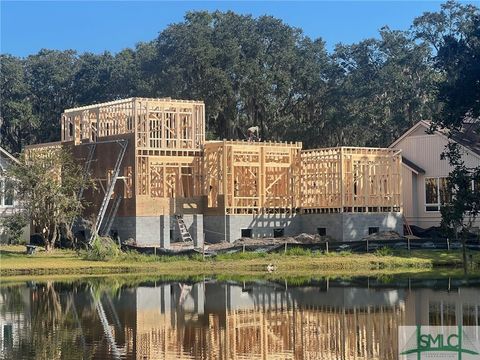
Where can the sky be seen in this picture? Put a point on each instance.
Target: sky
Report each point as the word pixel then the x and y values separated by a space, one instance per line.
pixel 97 26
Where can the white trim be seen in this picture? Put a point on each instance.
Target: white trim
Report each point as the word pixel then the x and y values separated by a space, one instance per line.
pixel 427 125
pixel 438 204
pixel 411 169
pixel 409 131
pixel 3 183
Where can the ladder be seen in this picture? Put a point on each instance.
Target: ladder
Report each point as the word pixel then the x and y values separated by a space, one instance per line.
pixel 105 230
pixel 109 191
pixel 86 174
pixel 183 229
pixel 407 226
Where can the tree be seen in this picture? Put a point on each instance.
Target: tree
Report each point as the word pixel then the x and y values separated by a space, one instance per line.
pixel 18 123
pixel 460 213
pixel 385 83
pixel 50 79
pixel 14 226
pixel 47 181
pixel 261 71
pixel 454 32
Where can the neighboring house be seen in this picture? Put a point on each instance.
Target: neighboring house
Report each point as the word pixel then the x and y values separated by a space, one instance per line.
pixel 8 204
pixel 424 173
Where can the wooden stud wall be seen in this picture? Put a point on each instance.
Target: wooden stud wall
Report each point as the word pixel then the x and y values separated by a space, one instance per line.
pixel 157 123
pixel 173 161
pixel 246 178
pixel 271 331
pixel 350 179
pixel 167 138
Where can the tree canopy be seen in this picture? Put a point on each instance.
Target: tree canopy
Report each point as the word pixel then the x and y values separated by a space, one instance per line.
pixel 261 72
pixel 47 183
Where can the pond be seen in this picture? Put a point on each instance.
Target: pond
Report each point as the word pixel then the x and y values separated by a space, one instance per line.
pixel 205 318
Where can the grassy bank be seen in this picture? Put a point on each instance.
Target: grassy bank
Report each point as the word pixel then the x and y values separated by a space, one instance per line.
pixel 14 262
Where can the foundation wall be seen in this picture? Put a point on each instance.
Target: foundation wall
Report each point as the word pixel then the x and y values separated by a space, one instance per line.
pixel 261 225
pixel 332 222
pixel 355 226
pixel 158 231
pixel 351 226
pixel 341 226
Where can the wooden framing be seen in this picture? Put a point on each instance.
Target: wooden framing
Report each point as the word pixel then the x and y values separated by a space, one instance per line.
pixel 158 124
pixel 249 178
pixel 273 329
pixel 348 179
pixel 167 139
pixel 170 168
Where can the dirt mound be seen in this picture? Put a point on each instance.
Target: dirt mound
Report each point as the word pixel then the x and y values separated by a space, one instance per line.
pixel 384 235
pixel 305 238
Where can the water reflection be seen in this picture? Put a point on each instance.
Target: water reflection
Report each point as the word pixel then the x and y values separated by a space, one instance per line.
pixel 108 319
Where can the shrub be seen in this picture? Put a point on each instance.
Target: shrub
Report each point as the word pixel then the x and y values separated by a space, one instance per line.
pixel 196 257
pixel 298 251
pixel 135 256
pixel 384 251
pixel 13 226
pixel 102 249
pixel 241 256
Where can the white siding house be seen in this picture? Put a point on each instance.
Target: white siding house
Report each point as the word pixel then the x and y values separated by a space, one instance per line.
pixel 424 173
pixel 8 204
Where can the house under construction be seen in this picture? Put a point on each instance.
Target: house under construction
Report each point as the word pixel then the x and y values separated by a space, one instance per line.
pixel 159 180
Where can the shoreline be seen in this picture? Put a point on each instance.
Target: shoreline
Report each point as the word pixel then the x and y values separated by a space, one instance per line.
pixel 14 262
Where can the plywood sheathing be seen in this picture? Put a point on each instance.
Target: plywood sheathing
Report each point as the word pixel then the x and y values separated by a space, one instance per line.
pixel 166 136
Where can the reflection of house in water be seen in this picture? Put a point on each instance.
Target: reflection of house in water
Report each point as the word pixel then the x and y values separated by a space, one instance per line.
pixel 429 307
pixel 14 314
pixel 214 320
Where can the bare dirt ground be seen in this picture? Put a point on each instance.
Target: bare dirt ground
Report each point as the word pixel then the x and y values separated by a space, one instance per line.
pixel 299 239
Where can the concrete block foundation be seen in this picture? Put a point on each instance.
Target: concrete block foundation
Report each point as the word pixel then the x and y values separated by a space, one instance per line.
pixel 339 226
pixel 163 230
pixel 158 230
pixel 351 226
pixel 260 225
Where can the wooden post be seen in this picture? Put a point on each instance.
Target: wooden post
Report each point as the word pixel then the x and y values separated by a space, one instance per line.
pixel 408 243
pixel 243 248
pixel 341 180
pixel 448 244
pixel 326 247
pixel 285 251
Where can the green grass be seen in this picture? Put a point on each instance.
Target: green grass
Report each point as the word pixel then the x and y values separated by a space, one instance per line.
pixel 442 257
pixel 297 261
